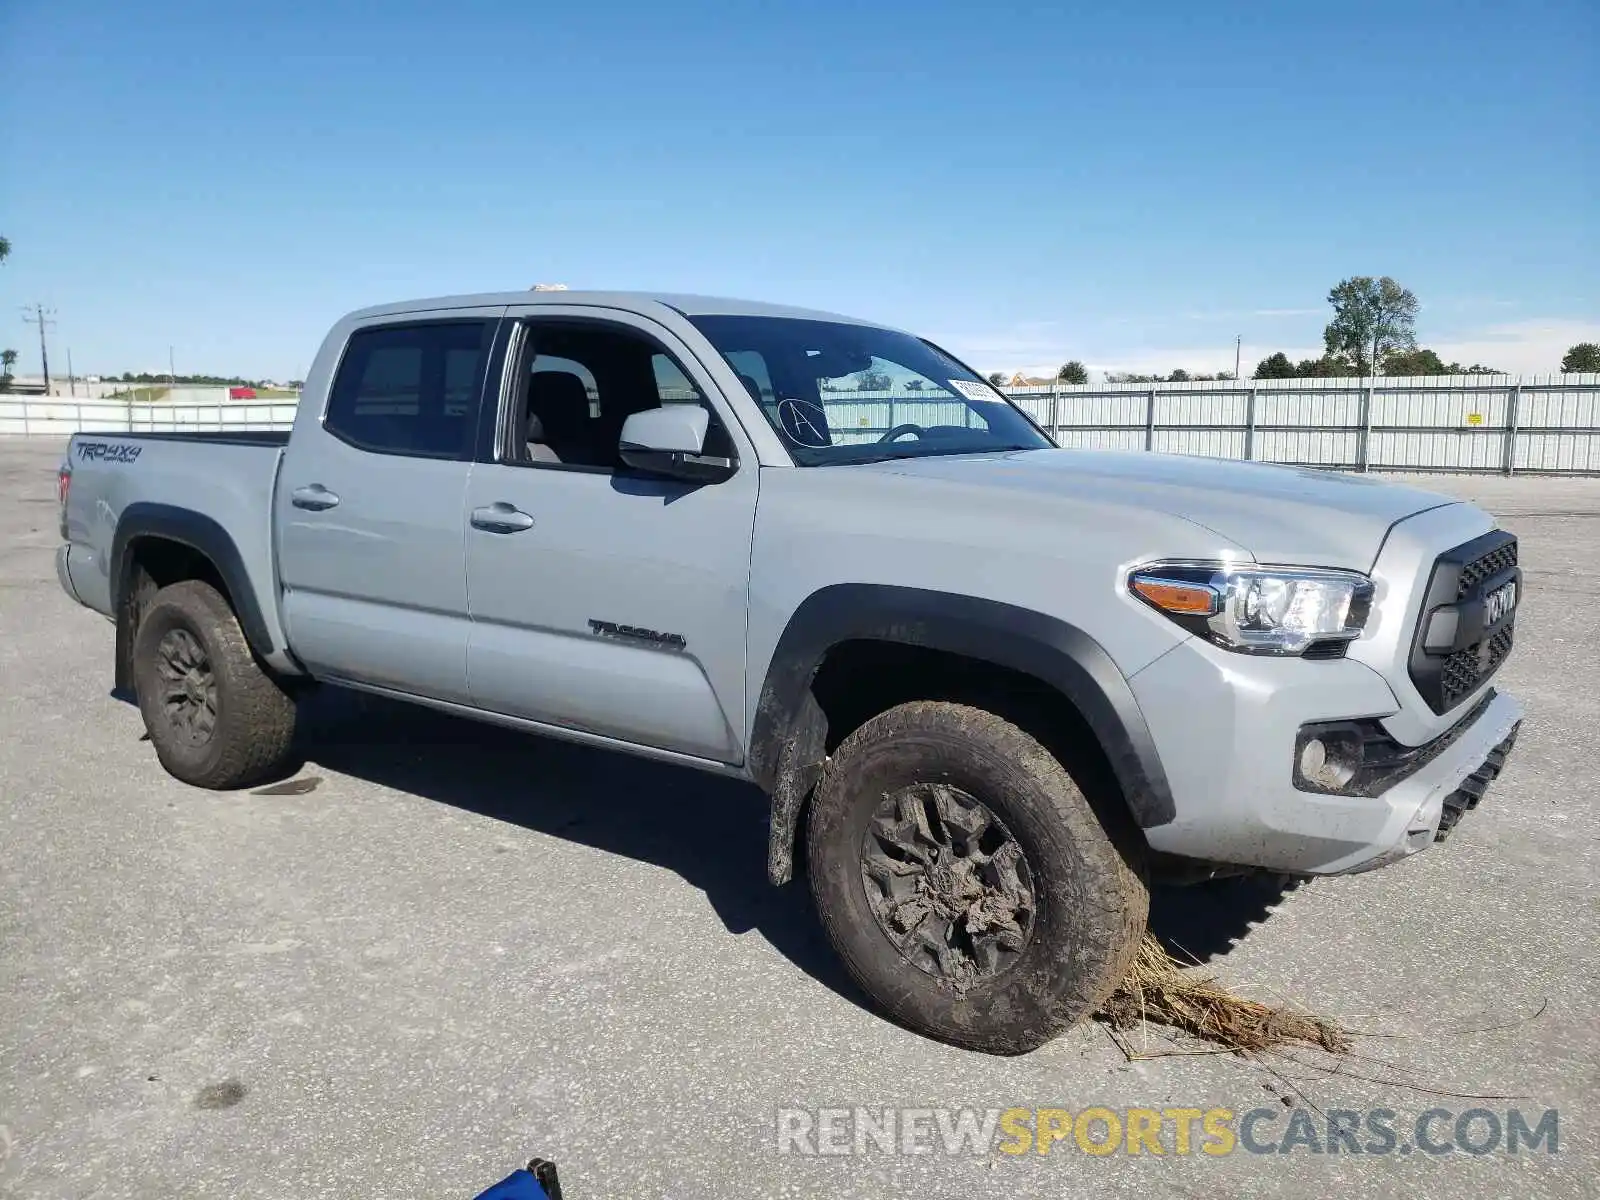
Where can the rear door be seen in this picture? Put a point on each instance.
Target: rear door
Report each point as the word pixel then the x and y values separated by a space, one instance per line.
pixel 369 507
pixel 603 600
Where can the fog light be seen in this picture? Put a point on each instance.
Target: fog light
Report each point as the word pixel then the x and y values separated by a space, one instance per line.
pixel 1330 761
pixel 1313 758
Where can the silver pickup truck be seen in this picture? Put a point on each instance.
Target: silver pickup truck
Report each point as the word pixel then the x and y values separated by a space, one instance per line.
pixel 992 687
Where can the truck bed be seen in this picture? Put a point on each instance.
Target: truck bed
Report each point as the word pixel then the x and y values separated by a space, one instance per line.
pixel 222 481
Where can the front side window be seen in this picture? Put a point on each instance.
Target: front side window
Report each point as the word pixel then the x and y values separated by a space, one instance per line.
pixel 672 385
pixel 841 393
pixel 411 389
pixel 580 382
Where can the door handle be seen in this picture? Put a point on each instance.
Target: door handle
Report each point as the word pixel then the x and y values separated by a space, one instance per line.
pixel 314 497
pixel 501 517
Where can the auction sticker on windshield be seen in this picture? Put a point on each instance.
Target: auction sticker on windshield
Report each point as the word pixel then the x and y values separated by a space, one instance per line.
pixel 973 390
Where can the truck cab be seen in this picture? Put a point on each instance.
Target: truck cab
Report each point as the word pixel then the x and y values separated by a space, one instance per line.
pixel 477 455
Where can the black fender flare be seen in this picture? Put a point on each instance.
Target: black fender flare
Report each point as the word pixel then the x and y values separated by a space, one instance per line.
pixel 788 733
pixel 204 536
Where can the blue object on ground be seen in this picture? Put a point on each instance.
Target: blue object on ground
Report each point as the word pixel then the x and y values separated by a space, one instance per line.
pixel 519 1185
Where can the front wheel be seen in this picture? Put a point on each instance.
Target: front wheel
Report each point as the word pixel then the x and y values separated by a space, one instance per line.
pixel 965 880
pixel 214 715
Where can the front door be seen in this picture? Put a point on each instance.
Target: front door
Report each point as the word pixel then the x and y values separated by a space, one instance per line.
pixel 603 600
pixel 369 510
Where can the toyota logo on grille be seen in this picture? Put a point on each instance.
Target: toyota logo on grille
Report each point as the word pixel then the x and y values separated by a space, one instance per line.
pixel 1499 603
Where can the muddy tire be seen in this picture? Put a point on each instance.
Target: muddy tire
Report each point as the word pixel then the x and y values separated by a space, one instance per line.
pixel 216 718
pixel 965 880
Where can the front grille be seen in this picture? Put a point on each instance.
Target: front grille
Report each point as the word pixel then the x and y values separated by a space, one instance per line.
pixel 1487 566
pixel 1466 669
pixel 1459 581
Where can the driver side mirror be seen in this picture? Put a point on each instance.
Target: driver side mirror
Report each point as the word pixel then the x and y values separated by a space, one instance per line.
pixel 669 442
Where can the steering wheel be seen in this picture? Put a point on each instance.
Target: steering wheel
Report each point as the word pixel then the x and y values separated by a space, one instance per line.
pixel 901 430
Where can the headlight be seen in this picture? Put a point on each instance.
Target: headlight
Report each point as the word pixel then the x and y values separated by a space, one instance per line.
pixel 1259 610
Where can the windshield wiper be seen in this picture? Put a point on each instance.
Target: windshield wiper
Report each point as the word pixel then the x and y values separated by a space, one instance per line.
pixel 929 452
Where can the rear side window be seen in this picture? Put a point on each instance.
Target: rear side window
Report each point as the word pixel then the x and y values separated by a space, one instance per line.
pixel 411 389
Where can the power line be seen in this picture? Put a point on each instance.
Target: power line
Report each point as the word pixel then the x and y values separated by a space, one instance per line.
pixel 42 318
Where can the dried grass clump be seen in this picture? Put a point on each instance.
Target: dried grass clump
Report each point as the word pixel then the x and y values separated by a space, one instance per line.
pixel 1161 990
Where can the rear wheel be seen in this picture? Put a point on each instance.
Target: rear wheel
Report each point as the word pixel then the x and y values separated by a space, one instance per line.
pixel 214 715
pixel 965 880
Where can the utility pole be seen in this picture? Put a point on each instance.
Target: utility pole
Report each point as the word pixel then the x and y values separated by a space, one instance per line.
pixel 72 380
pixel 41 317
pixel 1238 344
pixel 172 375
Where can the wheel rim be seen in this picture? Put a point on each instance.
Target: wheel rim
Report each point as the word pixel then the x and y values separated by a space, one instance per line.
pixel 950 887
pixel 188 686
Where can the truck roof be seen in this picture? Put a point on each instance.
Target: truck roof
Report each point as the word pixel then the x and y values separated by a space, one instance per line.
pixel 641 302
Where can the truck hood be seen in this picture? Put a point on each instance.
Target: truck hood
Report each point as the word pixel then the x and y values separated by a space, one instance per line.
pixel 1278 514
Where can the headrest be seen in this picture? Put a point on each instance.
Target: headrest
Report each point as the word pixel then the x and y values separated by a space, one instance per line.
pixel 554 391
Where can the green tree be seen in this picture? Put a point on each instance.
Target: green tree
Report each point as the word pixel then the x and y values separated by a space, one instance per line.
pixel 1372 318
pixel 8 359
pixel 1585 356
pixel 1329 366
pixel 872 380
pixel 1072 372
pixel 1178 376
pixel 1426 362
pixel 5 249
pixel 1274 366
pixel 202 380
pixel 998 378
pixel 1415 362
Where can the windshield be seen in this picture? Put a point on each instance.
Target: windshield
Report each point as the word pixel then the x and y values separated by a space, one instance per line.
pixel 840 393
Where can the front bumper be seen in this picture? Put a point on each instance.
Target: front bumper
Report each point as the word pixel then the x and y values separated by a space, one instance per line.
pixel 1225 725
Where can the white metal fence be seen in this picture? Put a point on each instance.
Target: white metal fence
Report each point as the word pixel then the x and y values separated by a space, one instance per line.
pixel 1464 424
pixel 39 416
pixel 1474 424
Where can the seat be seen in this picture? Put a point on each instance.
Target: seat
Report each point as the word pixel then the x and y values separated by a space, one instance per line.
pixel 558 408
pixel 538 449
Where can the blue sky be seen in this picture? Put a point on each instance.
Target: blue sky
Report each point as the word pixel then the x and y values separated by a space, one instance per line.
pixel 1131 185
